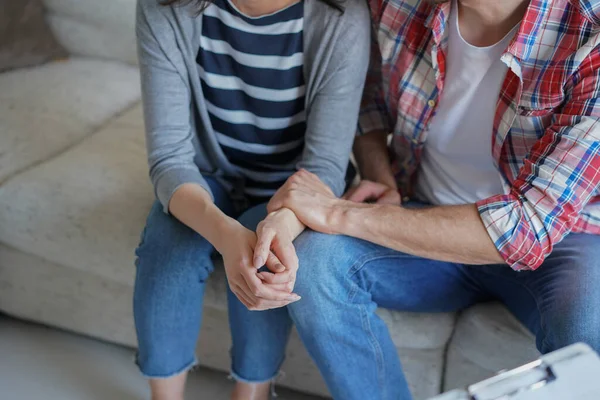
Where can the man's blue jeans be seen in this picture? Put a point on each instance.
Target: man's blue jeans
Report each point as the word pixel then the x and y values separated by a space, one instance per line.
pixel 343 280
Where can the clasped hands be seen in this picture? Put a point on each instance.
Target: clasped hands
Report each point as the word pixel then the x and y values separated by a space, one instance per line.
pixel 303 201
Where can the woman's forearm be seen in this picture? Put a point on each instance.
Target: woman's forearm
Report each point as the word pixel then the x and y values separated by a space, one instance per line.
pixel 193 206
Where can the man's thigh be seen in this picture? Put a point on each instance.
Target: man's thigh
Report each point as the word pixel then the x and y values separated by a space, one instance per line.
pixel 559 301
pixel 357 271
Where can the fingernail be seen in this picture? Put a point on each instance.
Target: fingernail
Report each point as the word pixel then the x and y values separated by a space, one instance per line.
pixel 262 278
pixel 294 298
pixel 259 262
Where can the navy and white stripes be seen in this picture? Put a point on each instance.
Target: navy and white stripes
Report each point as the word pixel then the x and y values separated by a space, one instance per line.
pixel 252 80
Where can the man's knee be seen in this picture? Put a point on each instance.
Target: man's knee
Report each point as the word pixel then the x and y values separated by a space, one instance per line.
pixel 569 328
pixel 323 262
pixel 572 292
pixel 322 279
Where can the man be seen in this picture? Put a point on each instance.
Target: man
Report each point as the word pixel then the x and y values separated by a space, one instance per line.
pixel 494 111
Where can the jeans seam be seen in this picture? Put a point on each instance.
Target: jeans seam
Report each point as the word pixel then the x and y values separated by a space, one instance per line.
pixel 543 329
pixel 357 266
pixel 376 349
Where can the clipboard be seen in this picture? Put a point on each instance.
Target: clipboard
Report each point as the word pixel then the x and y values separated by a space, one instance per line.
pixel 572 373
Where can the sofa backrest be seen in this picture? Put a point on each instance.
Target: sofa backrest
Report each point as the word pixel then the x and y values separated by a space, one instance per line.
pixel 95 28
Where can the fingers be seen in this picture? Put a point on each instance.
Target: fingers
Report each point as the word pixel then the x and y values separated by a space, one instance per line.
pixel 284 287
pixel 248 301
pixel 274 264
pixel 367 190
pixel 265 292
pixel 286 253
pixel 297 180
pixel 269 305
pixel 258 304
pixel 348 195
pixel 391 197
pixel 265 236
pixel 312 180
pixel 282 277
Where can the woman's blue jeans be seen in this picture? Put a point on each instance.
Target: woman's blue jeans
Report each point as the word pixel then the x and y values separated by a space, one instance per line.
pixel 173 265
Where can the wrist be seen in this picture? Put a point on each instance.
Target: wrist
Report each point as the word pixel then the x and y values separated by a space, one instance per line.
pixel 290 221
pixel 224 229
pixel 342 217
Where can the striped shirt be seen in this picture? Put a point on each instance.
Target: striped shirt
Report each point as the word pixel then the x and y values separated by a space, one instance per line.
pixel 251 71
pixel 546 130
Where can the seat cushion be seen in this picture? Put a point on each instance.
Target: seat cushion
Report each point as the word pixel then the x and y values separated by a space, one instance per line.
pixel 46 109
pixel 487 339
pixel 84 209
pixel 92 28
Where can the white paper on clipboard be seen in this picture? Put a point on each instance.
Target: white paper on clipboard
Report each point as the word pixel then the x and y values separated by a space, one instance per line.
pixel 572 373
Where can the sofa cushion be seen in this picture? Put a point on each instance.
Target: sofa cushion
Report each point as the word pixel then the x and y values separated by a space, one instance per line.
pixel 487 339
pixel 85 208
pixel 46 109
pixel 94 28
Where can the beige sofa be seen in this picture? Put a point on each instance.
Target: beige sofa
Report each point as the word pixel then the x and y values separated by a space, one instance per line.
pixel 74 194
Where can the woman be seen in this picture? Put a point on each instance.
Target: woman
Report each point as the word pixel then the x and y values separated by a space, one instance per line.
pixel 238 95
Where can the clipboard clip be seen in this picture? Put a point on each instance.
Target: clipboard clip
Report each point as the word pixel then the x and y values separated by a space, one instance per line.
pixel 509 384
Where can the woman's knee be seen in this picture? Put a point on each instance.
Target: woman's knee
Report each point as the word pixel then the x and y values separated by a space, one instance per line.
pixel 168 247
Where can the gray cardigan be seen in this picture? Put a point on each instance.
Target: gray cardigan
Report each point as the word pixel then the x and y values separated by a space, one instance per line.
pixel 182 147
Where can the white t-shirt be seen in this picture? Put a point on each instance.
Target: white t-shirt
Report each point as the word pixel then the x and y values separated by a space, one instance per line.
pixel 457 165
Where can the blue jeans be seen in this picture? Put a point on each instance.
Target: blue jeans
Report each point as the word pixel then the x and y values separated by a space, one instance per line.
pixel 173 265
pixel 342 280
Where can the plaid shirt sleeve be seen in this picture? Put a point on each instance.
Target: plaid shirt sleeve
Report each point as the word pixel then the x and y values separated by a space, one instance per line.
pixel 557 180
pixel 373 110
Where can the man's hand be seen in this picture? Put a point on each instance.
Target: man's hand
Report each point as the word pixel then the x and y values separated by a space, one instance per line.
pixel 373 192
pixel 238 252
pixel 275 236
pixel 309 198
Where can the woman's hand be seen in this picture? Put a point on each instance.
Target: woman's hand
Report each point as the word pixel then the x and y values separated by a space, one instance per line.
pixel 309 198
pixel 237 249
pixel 275 235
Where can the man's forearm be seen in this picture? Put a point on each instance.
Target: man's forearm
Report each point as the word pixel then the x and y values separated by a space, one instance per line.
pixel 446 233
pixel 373 159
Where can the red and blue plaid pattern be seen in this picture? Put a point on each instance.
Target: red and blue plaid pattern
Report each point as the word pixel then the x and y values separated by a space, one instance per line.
pixel 546 134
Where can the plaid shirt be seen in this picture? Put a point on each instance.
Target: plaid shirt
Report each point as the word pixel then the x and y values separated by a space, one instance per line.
pixel 546 133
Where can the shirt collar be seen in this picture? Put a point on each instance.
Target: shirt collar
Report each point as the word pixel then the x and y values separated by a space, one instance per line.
pixel 521 45
pixel 535 17
pixel 438 21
